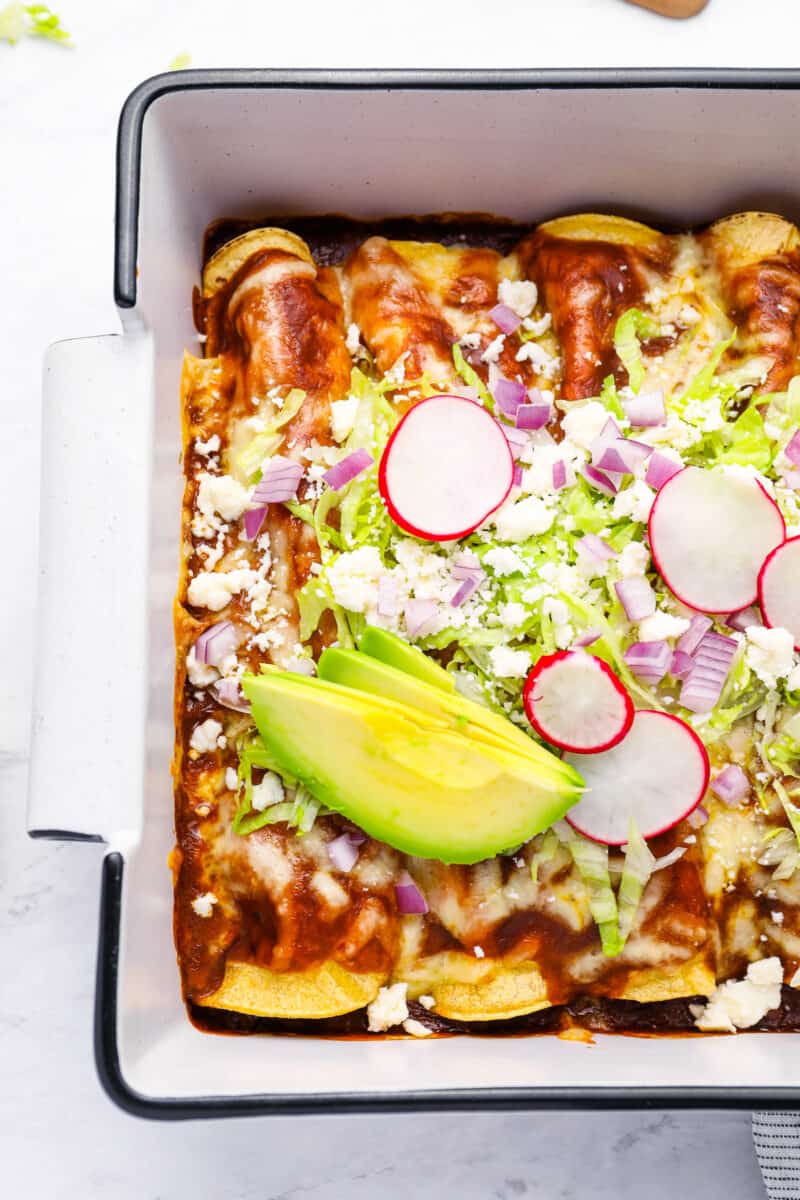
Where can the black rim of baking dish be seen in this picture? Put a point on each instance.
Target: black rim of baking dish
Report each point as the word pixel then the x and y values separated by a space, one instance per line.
pixel 126 247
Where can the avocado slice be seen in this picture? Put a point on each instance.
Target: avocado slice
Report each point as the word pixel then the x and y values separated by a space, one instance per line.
pixel 389 648
pixel 353 669
pixel 402 775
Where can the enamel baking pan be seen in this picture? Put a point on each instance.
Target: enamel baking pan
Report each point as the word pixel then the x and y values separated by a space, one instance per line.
pixel 669 147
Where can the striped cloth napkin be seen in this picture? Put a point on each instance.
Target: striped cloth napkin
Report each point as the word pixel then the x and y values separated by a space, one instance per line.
pixel 777 1139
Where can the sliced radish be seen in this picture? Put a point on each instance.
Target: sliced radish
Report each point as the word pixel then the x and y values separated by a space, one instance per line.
pixel 575 701
pixel 657 775
pixel 445 469
pixel 709 534
pixel 779 588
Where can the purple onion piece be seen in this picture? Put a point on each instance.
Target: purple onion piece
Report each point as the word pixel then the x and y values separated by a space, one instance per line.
pixel 253 520
pixel 516 477
pixel 216 643
pixel 279 482
pixel 698 628
pixel 595 548
pixel 792 448
pixel 509 395
pixel 505 318
pixel 743 618
pixel 228 693
pixel 559 474
pixel 343 852
pixel 587 639
pixel 731 785
pixel 420 617
pixel 603 483
pixel 637 597
pixel 681 664
pixel 697 817
pixel 466 564
pixel 646 409
pixel 347 469
pixel 410 899
pixel 465 590
pixel 649 661
pixel 387 596
pixel 533 416
pixel 660 469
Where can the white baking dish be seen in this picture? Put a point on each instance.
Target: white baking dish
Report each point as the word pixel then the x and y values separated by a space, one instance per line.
pixel 667 147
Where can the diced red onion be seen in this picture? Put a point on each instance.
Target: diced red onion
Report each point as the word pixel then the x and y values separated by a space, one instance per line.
pixel 253 520
pixel 343 852
pixel 587 639
pixel 623 456
pixel 743 618
pixel 466 564
pixel 660 469
pixel 348 469
pixel 517 438
pixel 533 416
pixel 508 395
pixel 465 590
pixel 792 448
pixel 669 860
pixel 216 643
pixel 649 661
pixel 516 476
pixel 691 639
pixel 387 596
pixel 279 482
pixel 705 681
pixel 505 318
pixel 637 598
pixel 409 898
pixel 593 547
pixel 559 474
pixel 420 617
pixel 681 665
pixel 697 817
pixel 646 409
pixel 598 480
pixel 731 785
pixel 791 478
pixel 229 694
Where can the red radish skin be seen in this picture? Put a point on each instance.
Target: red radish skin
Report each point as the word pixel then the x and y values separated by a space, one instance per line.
pixel 658 775
pixel 570 681
pixel 485 456
pixel 711 564
pixel 779 588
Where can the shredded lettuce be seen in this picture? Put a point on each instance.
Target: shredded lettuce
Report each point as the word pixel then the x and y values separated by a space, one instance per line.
pixel 471 377
pixel 545 852
pixel 636 871
pixel 31 20
pixel 300 812
pixel 631 326
pixel 246 463
pixel 591 860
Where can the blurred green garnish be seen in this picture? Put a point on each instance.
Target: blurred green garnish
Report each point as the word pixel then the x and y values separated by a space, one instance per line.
pixel 31 20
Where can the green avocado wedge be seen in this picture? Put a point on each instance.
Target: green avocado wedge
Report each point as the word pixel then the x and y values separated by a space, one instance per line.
pixel 350 668
pixel 390 649
pixel 403 776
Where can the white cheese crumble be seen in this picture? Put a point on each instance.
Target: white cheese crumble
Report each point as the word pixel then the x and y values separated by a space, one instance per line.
pixel 213 590
pixel 537 328
pixel 268 792
pixel 509 664
pixel 633 560
pixel 661 626
pixel 470 341
pixel 388 1008
pixel 519 294
pixel 542 362
pixel 203 905
pixel 200 675
pixel 582 425
pixel 343 417
pixel 207 448
pixel 427 1001
pixel 354 578
pixel 397 373
pixel 353 339
pixel 221 494
pixel 416 1028
pixel 634 502
pixel 205 736
pixel 689 315
pixel 738 1004
pixel 503 561
pixel 512 615
pixel 479 951
pixel 769 653
pixel 516 522
pixel 231 779
pixel 494 349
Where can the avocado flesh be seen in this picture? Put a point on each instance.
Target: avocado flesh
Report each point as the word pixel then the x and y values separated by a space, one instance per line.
pixel 403 777
pixel 352 669
pixel 388 648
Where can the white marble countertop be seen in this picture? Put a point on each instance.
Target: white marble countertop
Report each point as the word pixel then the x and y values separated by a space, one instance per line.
pixel 59 1135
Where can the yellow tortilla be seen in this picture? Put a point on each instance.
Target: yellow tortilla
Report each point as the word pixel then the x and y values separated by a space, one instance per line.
pixel 223 265
pixel 600 227
pixel 326 991
pixel 750 237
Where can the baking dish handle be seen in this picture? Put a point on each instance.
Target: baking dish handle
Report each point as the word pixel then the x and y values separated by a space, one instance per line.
pixel 89 699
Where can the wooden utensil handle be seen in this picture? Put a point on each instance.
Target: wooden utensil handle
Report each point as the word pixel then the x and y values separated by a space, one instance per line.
pixel 672 8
